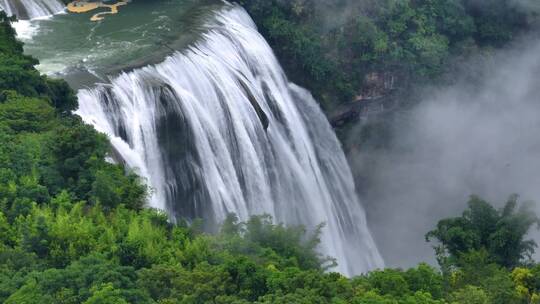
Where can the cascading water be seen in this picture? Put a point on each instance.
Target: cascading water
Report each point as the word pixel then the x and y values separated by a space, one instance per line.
pixel 30 9
pixel 219 129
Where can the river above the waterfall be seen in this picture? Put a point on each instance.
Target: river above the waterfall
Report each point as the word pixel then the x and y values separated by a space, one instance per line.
pixel 84 52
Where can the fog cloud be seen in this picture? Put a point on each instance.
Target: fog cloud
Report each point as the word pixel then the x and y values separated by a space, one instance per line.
pixel 471 138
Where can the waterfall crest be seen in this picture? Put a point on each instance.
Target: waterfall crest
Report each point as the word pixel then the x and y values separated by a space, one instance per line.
pixel 218 128
pixel 31 9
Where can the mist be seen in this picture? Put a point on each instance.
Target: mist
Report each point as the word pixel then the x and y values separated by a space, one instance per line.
pixel 480 135
pixel 530 6
pixel 335 13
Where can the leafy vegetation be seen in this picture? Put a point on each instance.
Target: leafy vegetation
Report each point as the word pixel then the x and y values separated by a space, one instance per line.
pixel 73 229
pixel 498 233
pixel 367 47
pixel 67 252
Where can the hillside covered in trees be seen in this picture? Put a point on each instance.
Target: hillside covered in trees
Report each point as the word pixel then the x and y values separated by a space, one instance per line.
pixel 73 228
pixel 370 47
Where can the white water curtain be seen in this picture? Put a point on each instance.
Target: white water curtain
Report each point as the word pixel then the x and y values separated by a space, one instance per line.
pixel 195 127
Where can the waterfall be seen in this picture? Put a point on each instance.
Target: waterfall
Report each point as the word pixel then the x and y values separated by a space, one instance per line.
pixel 31 9
pixel 218 128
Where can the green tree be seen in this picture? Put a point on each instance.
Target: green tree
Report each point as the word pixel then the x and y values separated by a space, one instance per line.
pixel 469 295
pixel 93 278
pixel 106 294
pixel 501 233
pixel 427 279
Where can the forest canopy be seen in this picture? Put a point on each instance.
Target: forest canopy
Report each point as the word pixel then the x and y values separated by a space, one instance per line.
pixel 401 42
pixel 73 227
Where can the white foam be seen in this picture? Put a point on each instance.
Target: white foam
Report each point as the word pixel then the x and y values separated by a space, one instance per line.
pixel 25 29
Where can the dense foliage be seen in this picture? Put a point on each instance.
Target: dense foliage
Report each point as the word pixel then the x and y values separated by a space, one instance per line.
pixel 73 230
pixel 67 252
pixel 46 152
pixel 498 233
pixel 365 47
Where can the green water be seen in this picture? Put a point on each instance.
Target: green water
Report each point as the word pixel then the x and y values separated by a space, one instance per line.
pixel 143 32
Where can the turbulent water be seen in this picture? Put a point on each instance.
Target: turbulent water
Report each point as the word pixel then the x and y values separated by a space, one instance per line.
pixel 143 32
pixel 218 128
pixel 30 9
